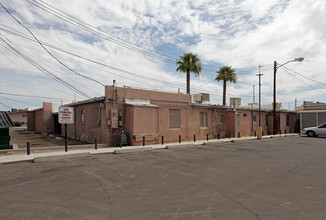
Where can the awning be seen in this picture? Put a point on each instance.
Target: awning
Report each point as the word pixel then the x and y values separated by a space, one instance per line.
pixel 140 102
pixel 5 120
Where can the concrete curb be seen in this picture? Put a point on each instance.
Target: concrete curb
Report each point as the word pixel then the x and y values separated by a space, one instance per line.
pixel 38 157
pixel 131 150
pixel 17 160
pixel 179 146
pixel 61 157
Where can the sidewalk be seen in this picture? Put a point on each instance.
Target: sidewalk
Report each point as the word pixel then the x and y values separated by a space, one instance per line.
pixel 57 155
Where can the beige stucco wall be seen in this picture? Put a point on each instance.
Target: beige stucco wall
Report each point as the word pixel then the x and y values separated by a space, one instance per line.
pixel 20 116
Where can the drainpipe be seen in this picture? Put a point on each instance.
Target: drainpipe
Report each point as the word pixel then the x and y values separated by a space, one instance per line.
pixel 75 123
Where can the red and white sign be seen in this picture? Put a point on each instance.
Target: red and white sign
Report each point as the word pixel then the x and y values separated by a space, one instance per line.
pixel 66 115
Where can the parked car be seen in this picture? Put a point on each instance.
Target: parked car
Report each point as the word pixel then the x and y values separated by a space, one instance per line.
pixel 315 131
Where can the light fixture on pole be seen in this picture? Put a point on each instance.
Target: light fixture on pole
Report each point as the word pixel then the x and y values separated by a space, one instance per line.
pixel 276 66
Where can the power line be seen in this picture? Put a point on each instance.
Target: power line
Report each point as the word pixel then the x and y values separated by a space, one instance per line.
pixel 48 50
pixel 151 79
pixel 302 81
pixel 29 96
pixel 105 65
pixel 127 72
pixel 107 36
pixel 39 62
pixel 18 101
pixel 87 59
pixel 5 105
pixel 42 69
pixel 32 75
pixel 324 84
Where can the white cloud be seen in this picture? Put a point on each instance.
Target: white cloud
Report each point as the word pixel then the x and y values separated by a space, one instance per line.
pixel 242 34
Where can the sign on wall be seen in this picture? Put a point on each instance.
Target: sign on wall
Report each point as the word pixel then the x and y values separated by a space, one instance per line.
pixel 66 115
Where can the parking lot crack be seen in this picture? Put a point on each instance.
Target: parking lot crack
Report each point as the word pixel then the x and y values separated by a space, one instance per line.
pixel 239 203
pixel 294 168
pixel 103 185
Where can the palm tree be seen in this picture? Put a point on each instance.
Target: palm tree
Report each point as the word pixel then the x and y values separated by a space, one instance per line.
pixel 189 63
pixel 226 74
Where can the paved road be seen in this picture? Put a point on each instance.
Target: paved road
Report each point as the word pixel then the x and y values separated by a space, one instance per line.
pixel 279 178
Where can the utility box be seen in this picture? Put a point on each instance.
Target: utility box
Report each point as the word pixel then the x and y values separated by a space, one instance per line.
pixel 4 138
pixel 5 123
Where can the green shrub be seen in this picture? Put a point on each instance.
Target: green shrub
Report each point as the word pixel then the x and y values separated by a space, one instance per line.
pixel 17 123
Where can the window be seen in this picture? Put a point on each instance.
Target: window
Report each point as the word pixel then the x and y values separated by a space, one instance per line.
pixel 222 118
pixel 322 126
pixel 254 119
pixel 203 119
pixel 267 120
pixel 287 120
pixel 174 118
pixel 83 116
pixel 244 114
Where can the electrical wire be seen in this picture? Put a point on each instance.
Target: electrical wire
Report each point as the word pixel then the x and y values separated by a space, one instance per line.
pixel 324 84
pixel 302 81
pixel 105 35
pixel 6 105
pixel 153 80
pixel 29 96
pixel 43 70
pixel 59 61
pixel 32 75
pixel 170 84
pixel 32 104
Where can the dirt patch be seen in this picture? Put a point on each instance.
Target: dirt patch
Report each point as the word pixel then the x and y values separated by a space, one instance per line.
pixel 20 136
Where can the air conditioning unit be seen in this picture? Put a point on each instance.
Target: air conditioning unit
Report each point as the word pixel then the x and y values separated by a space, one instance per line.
pixel 200 98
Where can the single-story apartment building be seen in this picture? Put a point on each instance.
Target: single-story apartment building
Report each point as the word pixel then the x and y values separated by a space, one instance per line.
pixel 153 115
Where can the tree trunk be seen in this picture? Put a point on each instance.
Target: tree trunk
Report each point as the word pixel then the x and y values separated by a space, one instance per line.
pixel 188 81
pixel 224 92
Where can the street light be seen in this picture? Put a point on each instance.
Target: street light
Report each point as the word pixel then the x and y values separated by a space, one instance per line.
pixel 300 59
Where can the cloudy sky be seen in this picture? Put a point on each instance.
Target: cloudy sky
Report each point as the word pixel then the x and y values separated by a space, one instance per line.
pixel 88 44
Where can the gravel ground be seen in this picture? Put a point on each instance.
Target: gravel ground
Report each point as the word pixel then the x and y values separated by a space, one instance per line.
pixel 20 136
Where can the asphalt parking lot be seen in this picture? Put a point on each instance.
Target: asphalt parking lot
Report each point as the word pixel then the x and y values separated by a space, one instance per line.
pixel 278 178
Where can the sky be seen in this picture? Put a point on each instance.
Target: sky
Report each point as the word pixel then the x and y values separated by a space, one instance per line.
pixel 64 51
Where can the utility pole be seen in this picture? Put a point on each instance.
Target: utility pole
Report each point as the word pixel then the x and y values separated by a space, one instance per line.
pixel 274 99
pixel 259 131
pixel 299 59
pixel 253 94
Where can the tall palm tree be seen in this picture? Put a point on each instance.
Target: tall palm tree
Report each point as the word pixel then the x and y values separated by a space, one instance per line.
pixel 189 63
pixel 226 74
